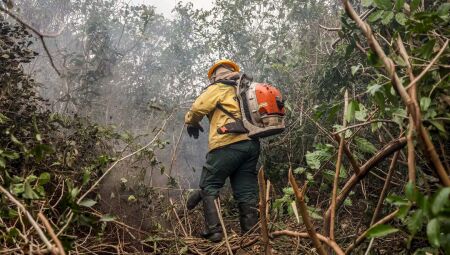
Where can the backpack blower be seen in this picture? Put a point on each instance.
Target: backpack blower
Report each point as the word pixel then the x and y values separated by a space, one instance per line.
pixel 262 110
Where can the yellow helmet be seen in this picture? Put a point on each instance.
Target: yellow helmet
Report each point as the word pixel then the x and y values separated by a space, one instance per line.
pixel 221 62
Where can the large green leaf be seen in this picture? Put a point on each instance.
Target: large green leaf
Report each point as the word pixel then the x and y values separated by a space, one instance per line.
pixel 380 231
pixel 425 103
pixel 400 18
pixel 441 200
pixel 433 232
pixel 387 17
pixel 375 16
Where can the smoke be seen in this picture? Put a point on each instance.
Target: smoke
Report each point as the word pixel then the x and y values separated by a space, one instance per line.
pixel 128 67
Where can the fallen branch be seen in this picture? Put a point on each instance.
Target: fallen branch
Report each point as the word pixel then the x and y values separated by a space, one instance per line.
pixel 300 196
pixel 178 218
pixel 219 213
pixel 385 152
pixel 332 244
pixel 52 233
pixel 30 218
pixel 362 237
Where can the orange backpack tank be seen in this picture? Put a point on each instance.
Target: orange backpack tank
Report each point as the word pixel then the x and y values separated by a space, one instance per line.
pixel 262 108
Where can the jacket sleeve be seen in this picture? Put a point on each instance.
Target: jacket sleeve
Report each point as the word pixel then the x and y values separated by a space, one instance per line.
pixel 203 105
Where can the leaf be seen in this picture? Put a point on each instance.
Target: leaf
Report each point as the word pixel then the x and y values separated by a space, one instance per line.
pixel 353 106
pixel 425 103
pixel 107 218
pixel 403 211
pixel 87 203
pixel 380 231
pixel 2 162
pixel 355 69
pixel 384 4
pixel 400 18
pixel 315 159
pixel 438 124
pixel 299 170
pixel 131 198
pixel 374 88
pixel 399 5
pixel 44 178
pixel 375 16
pixel 387 18
pixel 414 5
pixel 17 189
pixel 427 49
pixel 74 192
pixel 3 119
pixel 364 145
pixel 415 222
pixel 29 192
pixel 441 199
pixel 86 177
pixel 366 3
pixel 433 232
pixel 361 115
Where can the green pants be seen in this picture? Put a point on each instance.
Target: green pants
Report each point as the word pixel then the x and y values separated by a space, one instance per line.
pixel 237 161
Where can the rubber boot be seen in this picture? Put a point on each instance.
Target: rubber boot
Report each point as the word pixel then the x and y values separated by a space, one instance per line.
pixel 194 199
pixel 248 217
pixel 213 229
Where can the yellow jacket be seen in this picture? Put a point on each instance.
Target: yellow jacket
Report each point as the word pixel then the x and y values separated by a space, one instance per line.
pixel 206 103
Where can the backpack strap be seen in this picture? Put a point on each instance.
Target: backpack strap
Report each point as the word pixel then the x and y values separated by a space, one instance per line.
pixel 228 113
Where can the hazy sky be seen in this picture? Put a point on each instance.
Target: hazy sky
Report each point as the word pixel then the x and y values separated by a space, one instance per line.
pixel 165 6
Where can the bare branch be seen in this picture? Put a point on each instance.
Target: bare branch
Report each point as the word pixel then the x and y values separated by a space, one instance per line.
pixel 389 66
pixel 52 233
pixel 322 238
pixel 300 196
pixel 362 237
pixel 38 33
pixel 424 71
pixel 330 28
pixel 385 152
pixel 262 212
pixel 338 168
pixel 30 218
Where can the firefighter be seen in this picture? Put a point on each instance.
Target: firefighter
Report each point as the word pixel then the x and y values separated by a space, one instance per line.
pixel 232 155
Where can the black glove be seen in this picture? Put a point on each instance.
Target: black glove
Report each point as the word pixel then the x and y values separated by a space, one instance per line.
pixel 193 130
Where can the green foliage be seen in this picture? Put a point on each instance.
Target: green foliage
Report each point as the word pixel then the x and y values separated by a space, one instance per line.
pixel 380 231
pixel 422 212
pixel 322 153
